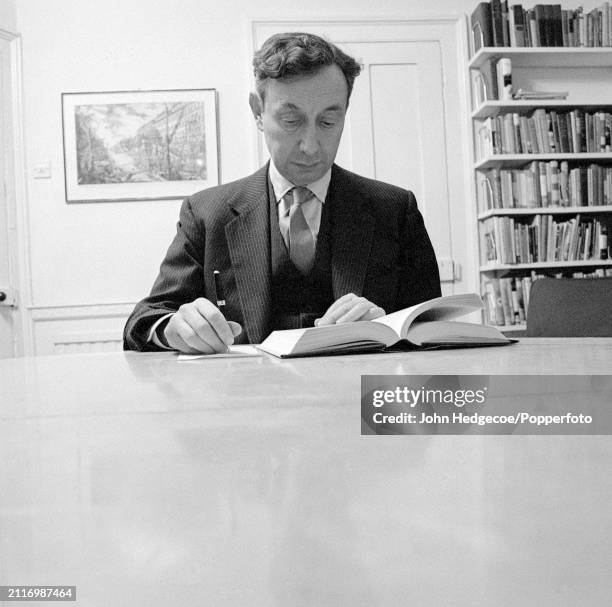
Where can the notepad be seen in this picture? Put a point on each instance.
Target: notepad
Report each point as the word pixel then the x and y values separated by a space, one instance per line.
pixel 234 352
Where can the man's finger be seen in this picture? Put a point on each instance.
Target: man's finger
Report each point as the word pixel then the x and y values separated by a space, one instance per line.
pixel 172 335
pixel 340 307
pixel 202 328
pixel 235 327
pixel 359 308
pixel 340 303
pixel 182 346
pixel 363 311
pixel 215 319
pixel 208 345
pixel 374 312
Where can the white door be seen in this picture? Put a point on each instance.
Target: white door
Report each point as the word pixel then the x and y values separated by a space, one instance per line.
pixel 405 124
pixel 8 344
pixel 396 128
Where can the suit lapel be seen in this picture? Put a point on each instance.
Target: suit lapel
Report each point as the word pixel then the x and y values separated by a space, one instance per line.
pixel 248 241
pixel 352 234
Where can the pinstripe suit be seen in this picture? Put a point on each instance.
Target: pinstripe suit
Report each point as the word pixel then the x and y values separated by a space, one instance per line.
pixel 379 248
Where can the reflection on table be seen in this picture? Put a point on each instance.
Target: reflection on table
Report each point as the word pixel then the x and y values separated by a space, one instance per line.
pixel 246 482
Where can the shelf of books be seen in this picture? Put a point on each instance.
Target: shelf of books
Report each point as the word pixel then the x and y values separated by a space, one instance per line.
pixel 542 148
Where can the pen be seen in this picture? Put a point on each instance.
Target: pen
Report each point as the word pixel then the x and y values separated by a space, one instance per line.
pixel 219 291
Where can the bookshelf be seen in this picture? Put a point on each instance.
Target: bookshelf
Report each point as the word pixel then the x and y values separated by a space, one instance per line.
pixel 547 211
pixel 490 109
pixel 519 160
pixel 545 56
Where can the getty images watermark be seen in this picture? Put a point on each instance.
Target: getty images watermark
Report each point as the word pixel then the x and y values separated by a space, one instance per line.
pixel 489 404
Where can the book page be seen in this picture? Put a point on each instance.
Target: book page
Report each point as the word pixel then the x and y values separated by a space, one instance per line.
pixel 440 308
pixel 454 332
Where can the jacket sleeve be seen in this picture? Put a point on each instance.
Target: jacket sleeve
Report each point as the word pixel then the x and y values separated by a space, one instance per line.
pixel 180 280
pixel 420 278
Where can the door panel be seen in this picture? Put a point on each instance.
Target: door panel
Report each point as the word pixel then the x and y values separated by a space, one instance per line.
pixel 397 127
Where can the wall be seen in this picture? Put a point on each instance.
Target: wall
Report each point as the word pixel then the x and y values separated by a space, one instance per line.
pixel 92 254
pixel 107 253
pixel 8 15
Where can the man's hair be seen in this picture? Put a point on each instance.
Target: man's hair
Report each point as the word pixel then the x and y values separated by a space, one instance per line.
pixel 284 56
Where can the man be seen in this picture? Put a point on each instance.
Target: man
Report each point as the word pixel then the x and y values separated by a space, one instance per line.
pixel 302 240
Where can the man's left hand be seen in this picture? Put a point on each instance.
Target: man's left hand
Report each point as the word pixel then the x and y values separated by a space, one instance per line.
pixel 350 308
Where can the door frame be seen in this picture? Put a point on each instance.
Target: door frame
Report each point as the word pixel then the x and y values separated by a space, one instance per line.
pixel 464 237
pixel 17 201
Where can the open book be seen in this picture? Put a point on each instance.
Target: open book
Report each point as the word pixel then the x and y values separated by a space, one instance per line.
pixel 426 325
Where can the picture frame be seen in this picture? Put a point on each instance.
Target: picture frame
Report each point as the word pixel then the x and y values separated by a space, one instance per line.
pixel 139 145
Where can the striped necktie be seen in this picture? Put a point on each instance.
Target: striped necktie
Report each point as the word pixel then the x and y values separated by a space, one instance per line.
pixel 301 243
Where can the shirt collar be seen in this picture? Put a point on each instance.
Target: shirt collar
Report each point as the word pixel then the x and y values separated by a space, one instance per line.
pixel 281 185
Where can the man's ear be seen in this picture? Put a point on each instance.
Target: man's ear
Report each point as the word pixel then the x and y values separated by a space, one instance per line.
pixel 257 109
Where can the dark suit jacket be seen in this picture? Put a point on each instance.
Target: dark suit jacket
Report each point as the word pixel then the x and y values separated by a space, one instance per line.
pixel 379 249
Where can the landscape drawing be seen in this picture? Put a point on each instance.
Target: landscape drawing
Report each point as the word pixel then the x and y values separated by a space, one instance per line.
pixel 140 142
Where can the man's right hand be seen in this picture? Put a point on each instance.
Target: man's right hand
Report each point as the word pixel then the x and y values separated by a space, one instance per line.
pixel 199 327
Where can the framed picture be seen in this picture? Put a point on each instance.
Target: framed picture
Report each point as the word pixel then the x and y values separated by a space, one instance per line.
pixel 139 145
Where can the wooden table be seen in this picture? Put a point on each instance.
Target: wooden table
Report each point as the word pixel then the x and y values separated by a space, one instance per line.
pixel 145 481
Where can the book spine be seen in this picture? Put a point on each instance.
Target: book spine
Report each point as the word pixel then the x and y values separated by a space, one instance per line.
pixel 555 186
pixel 518 21
pixel 505 25
pixel 534 30
pixel 565 20
pixel 564 184
pixel 572 28
pixel 497 189
pixel 543 184
pixel 497 131
pixel 518 299
pixel 541 23
pixel 581 26
pixel 482 34
pixel 506 297
pixel 574 132
pixel 508 146
pixel 533 135
pixel 526 31
pixel 518 144
pixel 489 300
pixel 554 126
pixel 557 24
pixel 499 311
pixel 549 25
pixel 563 136
pixel 497 23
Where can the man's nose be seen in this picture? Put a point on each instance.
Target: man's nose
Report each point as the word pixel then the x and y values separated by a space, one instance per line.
pixel 309 142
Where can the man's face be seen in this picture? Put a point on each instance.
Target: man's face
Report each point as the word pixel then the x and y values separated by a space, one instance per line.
pixel 302 121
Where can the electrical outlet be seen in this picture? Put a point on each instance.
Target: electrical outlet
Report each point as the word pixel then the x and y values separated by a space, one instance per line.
pixel 446 267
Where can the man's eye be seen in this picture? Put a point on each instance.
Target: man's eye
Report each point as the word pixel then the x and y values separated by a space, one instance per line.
pixel 290 121
pixel 328 123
